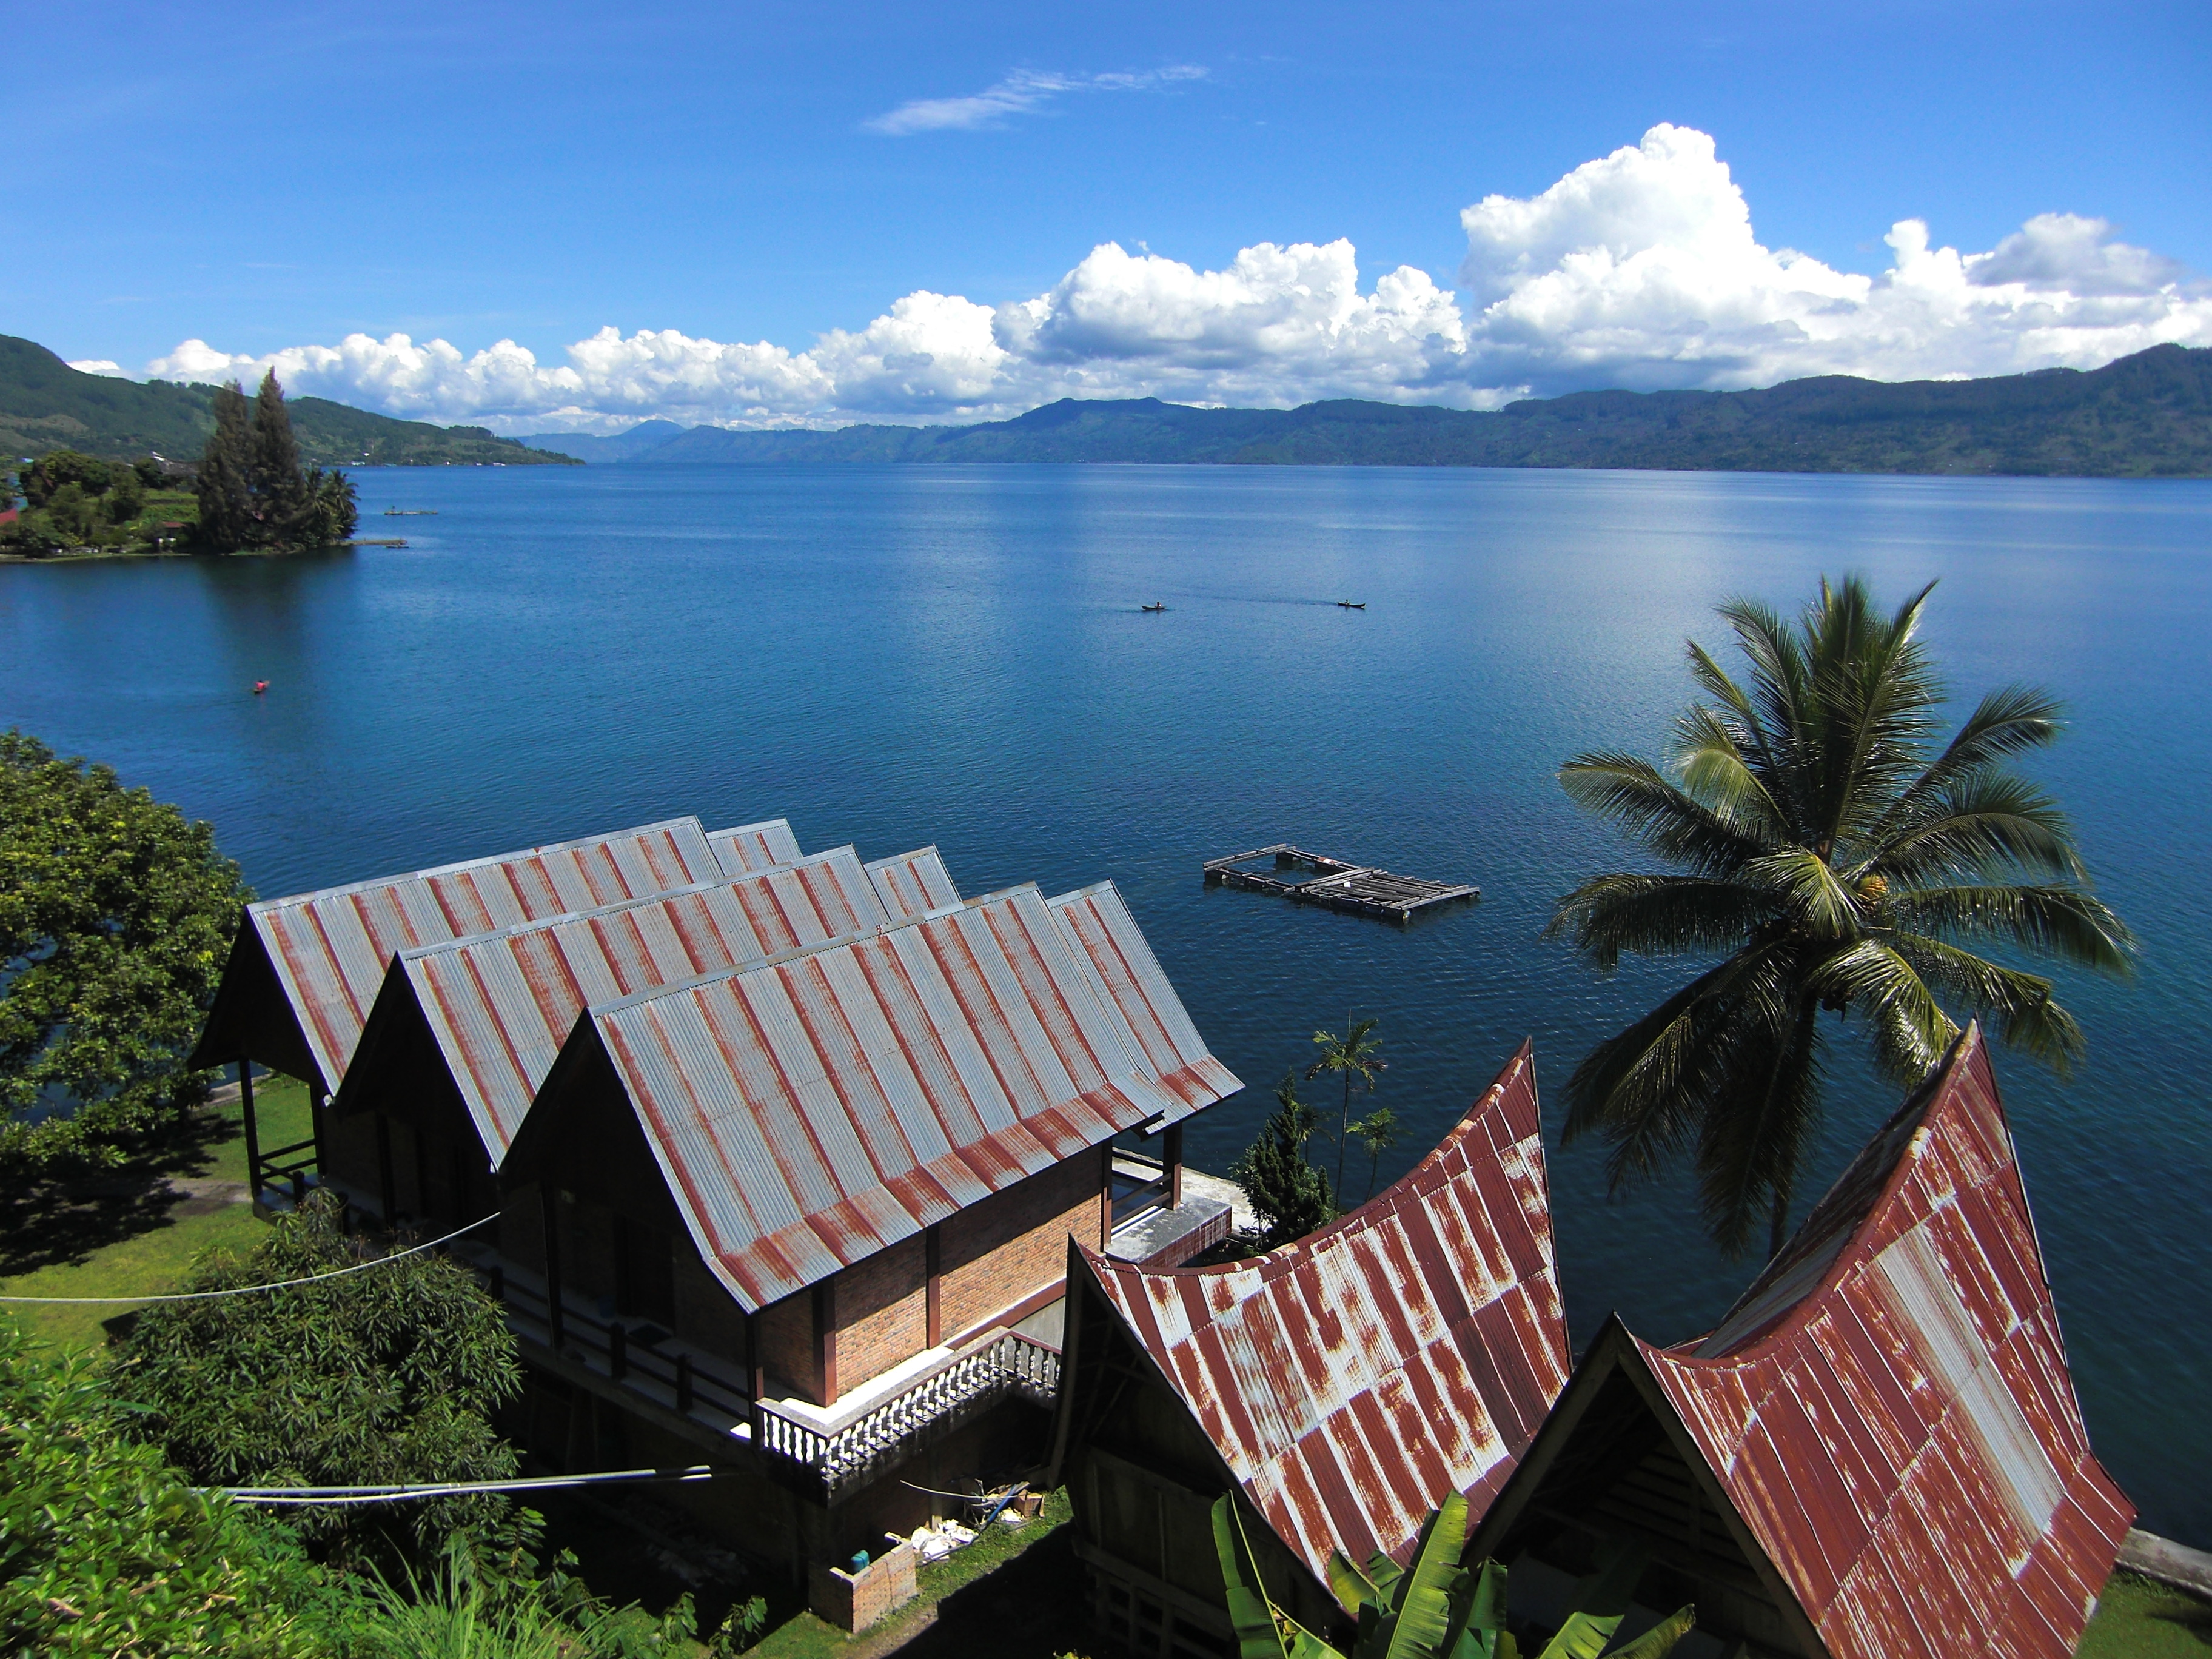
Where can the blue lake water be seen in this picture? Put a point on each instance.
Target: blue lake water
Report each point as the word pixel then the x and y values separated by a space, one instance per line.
pixel 899 655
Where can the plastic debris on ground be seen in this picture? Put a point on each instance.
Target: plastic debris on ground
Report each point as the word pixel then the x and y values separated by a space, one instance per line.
pixel 935 1543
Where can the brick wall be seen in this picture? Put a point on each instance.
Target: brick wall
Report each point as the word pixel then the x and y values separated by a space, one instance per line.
pixel 882 1312
pixel 1014 1243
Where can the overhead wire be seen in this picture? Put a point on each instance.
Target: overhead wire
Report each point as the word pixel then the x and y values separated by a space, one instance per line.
pixel 388 1494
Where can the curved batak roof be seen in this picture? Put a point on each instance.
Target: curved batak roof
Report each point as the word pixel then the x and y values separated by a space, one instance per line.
pixel 1889 1409
pixel 808 1112
pixel 500 1006
pixel 1353 1379
pixel 328 950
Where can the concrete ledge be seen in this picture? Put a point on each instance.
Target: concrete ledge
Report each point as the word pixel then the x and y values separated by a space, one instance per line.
pixel 2175 1566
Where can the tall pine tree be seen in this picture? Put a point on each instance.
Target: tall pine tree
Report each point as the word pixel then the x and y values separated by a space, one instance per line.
pixel 282 493
pixel 224 486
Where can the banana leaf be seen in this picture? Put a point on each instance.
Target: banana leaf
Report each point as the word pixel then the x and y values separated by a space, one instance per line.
pixel 1423 1622
pixel 1658 1642
pixel 1263 1629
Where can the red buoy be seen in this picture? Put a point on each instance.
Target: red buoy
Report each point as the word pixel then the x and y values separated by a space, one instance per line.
pixel 259 686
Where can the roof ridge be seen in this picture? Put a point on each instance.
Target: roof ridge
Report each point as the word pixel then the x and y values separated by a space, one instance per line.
pixel 262 907
pixel 494 935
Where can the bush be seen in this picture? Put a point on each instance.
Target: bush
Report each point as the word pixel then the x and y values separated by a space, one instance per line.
pixel 105 1550
pixel 374 1379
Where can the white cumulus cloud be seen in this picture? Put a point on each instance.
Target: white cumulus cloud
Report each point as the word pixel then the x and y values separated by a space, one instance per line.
pixel 99 366
pixel 1640 269
pixel 1021 93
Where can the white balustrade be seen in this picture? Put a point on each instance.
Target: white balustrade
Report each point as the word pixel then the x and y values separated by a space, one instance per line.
pixel 1011 1363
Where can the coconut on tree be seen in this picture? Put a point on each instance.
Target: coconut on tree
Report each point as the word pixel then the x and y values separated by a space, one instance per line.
pixel 1839 862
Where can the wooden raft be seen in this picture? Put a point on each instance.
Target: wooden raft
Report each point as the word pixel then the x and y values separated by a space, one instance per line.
pixel 1360 888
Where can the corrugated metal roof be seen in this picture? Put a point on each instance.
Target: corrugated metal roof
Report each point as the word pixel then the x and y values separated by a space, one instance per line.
pixel 1889 1406
pixel 1352 1380
pixel 808 1112
pixel 913 885
pixel 500 1004
pixel 329 949
pixel 754 846
pixel 1105 936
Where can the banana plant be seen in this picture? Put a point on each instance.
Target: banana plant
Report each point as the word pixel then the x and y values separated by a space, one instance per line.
pixel 1436 1609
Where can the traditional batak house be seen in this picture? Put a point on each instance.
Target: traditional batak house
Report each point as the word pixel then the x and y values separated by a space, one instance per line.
pixel 1877 1452
pixel 1341 1386
pixel 784 1159
pixel 304 971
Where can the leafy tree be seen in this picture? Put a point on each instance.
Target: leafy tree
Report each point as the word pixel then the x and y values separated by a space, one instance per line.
pixel 62 467
pixel 1291 1196
pixel 1436 1609
pixel 116 916
pixel 1376 1132
pixel 104 1549
pixel 1839 862
pixel 1356 1055
pixel 376 1378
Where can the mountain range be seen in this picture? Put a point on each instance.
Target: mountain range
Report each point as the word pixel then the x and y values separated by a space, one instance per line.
pixel 45 404
pixel 2145 415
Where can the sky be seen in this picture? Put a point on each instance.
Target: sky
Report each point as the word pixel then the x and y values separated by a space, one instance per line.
pixel 556 217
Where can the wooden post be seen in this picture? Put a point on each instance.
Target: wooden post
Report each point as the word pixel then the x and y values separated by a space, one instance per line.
pixel 317 1105
pixel 252 1130
pixel 386 1190
pixel 1106 1195
pixel 825 1339
pixel 548 1202
pixel 755 1381
pixel 932 1267
pixel 1171 1150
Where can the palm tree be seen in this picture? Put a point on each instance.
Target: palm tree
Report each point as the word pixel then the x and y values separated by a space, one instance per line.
pixel 1840 869
pixel 1377 1133
pixel 1356 1054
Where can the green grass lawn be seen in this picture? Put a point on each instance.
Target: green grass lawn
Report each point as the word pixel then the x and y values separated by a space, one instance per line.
pixel 2138 1618
pixel 133 1232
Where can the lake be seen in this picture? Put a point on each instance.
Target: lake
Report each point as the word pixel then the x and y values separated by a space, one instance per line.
pixel 897 656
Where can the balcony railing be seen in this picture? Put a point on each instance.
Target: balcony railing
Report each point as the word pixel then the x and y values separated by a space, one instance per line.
pixel 671 1374
pixel 844 1452
pixel 839 1448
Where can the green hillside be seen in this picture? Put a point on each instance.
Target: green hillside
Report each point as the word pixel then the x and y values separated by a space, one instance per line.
pixel 45 404
pixel 2147 415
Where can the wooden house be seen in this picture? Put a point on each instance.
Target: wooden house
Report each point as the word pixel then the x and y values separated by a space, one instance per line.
pixel 1877 1451
pixel 784 1160
pixel 1340 1386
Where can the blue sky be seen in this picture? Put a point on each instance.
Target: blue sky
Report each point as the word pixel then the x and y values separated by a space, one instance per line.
pixel 271 180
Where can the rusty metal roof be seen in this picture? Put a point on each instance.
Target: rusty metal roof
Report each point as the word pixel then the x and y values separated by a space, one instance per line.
pixel 811 1110
pixel 912 885
pixel 329 949
pixel 499 1006
pixel 1889 1408
pixel 754 846
pixel 1105 936
pixel 1352 1380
